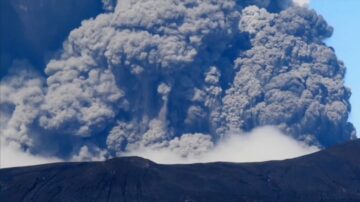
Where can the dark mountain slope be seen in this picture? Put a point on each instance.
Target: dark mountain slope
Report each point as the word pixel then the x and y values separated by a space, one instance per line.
pixel 330 175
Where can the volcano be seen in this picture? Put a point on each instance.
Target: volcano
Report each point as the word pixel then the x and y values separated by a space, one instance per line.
pixel 328 175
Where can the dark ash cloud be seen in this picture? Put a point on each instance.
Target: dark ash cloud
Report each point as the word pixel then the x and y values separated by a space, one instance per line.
pixel 159 74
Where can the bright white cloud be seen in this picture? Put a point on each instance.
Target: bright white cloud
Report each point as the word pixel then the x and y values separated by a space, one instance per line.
pixel 12 156
pixel 262 144
pixel 302 2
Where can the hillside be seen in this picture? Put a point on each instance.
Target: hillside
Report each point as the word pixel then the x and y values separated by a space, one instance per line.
pixel 329 175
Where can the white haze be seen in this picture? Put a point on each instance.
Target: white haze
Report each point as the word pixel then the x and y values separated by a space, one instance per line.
pixel 12 156
pixel 262 144
pixel 302 2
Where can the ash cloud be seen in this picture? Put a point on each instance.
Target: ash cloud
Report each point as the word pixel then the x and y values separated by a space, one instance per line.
pixel 182 75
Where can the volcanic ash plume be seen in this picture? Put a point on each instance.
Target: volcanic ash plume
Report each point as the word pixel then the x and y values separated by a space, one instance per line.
pixel 181 75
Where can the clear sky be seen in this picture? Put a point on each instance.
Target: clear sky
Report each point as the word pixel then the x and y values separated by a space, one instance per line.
pixel 344 16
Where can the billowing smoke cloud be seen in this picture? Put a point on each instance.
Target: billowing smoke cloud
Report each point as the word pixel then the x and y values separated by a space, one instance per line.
pixel 181 75
pixel 21 95
pixel 109 5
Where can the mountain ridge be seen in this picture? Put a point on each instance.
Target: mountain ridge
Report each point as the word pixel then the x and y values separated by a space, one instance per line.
pixel 328 175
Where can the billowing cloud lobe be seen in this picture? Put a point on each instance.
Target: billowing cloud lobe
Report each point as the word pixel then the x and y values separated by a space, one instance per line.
pixel 181 75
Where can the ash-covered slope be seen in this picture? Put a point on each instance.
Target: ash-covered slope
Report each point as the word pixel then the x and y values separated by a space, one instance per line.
pixel 330 175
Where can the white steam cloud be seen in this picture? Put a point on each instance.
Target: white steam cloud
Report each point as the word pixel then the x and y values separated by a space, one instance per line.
pixel 261 144
pixel 302 2
pixel 13 156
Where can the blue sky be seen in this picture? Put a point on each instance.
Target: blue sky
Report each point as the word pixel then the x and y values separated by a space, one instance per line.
pixel 344 16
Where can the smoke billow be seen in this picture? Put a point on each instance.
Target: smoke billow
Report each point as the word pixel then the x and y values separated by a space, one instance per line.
pixel 181 75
